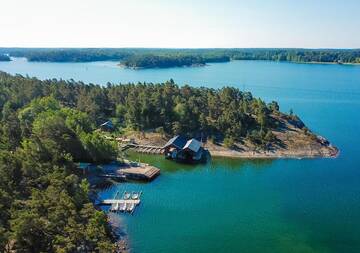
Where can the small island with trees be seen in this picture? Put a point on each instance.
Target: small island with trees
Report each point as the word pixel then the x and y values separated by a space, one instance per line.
pixel 4 57
pixel 49 126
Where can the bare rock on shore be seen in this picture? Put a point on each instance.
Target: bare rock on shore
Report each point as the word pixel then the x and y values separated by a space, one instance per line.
pixel 292 140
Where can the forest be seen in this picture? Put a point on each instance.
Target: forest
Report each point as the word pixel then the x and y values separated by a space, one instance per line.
pixel 170 60
pixel 44 203
pixel 167 107
pixel 164 58
pixel 48 126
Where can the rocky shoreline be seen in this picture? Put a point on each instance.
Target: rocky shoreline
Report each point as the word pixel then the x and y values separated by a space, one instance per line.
pixel 324 152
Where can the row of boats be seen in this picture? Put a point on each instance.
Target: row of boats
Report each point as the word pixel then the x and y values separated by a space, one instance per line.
pixel 122 207
pixel 127 203
pixel 133 195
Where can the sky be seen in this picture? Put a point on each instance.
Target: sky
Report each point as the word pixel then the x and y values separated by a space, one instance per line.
pixel 180 23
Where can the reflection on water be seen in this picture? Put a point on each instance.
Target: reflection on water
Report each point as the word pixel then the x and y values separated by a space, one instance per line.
pixel 238 163
pixel 213 163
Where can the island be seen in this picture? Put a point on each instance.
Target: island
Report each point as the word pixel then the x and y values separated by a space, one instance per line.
pixel 4 57
pixel 170 60
pixel 48 127
pixel 137 58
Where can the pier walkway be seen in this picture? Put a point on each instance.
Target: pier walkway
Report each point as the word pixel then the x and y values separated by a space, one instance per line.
pixel 125 144
pixel 147 149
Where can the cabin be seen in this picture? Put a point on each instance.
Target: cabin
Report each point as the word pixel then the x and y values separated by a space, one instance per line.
pixel 107 126
pixel 181 149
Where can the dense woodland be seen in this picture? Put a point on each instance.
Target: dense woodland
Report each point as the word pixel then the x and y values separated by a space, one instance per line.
pixel 48 126
pixel 163 58
pixel 44 204
pixel 165 107
pixel 170 60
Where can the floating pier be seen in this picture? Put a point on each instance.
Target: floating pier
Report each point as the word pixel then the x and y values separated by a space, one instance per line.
pixel 127 203
pixel 143 172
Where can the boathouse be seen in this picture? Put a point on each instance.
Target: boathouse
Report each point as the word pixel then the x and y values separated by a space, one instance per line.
pixel 180 149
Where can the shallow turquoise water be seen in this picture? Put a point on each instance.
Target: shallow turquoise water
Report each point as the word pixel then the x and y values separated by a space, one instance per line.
pixel 234 205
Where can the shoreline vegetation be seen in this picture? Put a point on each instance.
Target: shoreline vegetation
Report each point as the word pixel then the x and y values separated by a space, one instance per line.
pixel 141 58
pixel 49 126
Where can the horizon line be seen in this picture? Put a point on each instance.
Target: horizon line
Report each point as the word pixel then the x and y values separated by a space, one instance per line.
pixel 178 48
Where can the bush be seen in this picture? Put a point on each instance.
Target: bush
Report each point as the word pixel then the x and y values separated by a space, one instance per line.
pixel 229 142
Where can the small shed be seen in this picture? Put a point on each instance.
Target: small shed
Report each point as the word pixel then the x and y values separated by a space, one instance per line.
pixel 107 126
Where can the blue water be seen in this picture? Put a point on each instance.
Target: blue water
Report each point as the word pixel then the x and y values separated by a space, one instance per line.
pixel 229 205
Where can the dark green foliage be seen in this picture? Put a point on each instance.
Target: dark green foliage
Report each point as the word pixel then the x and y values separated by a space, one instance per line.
pixel 161 61
pixel 171 60
pixel 229 142
pixel 187 110
pixel 4 57
pixel 298 55
pixel 44 206
pixel 69 55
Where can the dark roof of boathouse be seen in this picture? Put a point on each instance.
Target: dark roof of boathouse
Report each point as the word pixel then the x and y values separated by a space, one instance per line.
pixel 177 141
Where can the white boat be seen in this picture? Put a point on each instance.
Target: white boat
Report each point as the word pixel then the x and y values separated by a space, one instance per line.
pixel 135 195
pixel 122 207
pixel 127 195
pixel 114 207
pixel 130 207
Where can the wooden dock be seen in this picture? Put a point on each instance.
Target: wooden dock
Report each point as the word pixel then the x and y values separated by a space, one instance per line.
pixel 144 172
pixel 131 170
pixel 147 149
pixel 125 144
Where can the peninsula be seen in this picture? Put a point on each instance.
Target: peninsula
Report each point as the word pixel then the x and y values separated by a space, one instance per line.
pixel 49 126
pixel 230 122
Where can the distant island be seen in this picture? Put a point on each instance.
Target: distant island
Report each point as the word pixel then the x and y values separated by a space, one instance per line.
pixel 170 60
pixel 166 58
pixel 4 57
